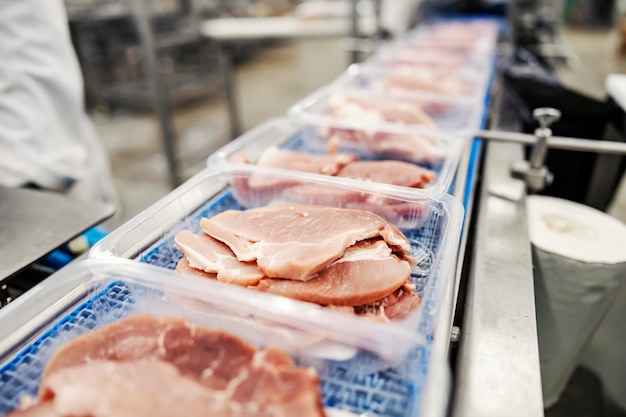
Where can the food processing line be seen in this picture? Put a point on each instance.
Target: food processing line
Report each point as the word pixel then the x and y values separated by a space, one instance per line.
pixel 486 334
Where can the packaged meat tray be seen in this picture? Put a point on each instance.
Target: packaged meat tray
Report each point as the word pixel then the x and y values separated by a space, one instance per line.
pixel 470 34
pixel 402 55
pixel 282 143
pixel 145 341
pixel 388 112
pixel 460 83
pixel 292 221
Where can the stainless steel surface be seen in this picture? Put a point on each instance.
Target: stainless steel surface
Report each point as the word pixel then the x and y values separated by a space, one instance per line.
pixel 557 142
pixel 498 361
pixel 34 223
pixel 142 13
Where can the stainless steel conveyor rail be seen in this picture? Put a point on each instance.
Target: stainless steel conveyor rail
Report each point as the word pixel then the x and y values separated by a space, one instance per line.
pixel 498 370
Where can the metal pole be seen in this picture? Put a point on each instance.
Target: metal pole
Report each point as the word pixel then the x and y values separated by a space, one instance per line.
pixel 226 64
pixel 354 21
pixel 142 13
pixel 557 142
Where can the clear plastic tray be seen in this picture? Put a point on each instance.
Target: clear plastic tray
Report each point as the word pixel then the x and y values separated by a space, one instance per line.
pixel 287 134
pixel 462 83
pixel 98 292
pixel 470 34
pixel 432 225
pixel 401 54
pixel 468 37
pixel 419 112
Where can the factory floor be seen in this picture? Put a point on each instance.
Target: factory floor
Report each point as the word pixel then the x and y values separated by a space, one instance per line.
pixel 282 74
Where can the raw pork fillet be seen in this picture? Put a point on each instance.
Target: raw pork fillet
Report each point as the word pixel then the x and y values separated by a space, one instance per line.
pixel 422 149
pixel 148 388
pixel 201 367
pixel 372 109
pixel 326 164
pixel 423 79
pixel 389 172
pixel 366 272
pixel 296 242
pixel 212 256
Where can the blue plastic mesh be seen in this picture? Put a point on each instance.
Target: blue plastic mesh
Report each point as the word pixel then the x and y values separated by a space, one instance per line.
pixel 361 384
pixel 20 377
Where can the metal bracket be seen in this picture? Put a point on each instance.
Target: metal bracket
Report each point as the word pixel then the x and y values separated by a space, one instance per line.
pixel 533 172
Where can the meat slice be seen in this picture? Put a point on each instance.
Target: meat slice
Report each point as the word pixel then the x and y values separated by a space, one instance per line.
pixel 422 149
pixel 380 108
pixel 366 272
pixel 184 267
pixel 193 350
pixel 145 388
pixel 398 306
pixel 389 172
pixel 152 388
pixel 233 376
pixel 296 242
pixel 423 79
pixel 327 164
pixel 212 256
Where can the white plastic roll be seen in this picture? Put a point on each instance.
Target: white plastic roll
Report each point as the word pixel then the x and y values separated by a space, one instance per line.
pixel 579 258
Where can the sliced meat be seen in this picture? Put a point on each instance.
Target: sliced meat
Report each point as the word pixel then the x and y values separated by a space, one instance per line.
pixel 274 157
pixel 389 172
pixel 193 350
pixel 320 194
pixel 152 388
pixel 43 409
pixel 298 241
pixel 422 149
pixel 397 307
pixel 366 272
pixel 210 255
pixel 327 164
pixel 184 267
pixel 129 389
pixel 239 379
pixel 394 110
pixel 423 79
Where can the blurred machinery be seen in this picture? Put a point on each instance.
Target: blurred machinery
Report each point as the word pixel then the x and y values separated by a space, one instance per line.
pixel 109 45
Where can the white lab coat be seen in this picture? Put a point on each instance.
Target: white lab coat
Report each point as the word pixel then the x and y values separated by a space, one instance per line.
pixel 46 138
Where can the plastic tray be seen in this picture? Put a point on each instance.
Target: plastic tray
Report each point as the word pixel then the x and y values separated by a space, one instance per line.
pixel 99 292
pixel 287 134
pixel 432 225
pixel 451 115
pixel 461 83
pixel 479 32
pixel 402 54
pixel 476 37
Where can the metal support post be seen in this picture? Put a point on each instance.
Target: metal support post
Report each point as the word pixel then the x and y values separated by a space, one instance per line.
pixel 160 94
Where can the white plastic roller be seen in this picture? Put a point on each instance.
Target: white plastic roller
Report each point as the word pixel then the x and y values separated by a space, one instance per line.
pixel 579 259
